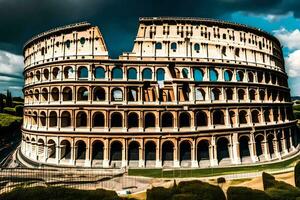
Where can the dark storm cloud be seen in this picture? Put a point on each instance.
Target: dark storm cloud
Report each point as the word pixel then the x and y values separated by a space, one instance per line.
pixel 117 19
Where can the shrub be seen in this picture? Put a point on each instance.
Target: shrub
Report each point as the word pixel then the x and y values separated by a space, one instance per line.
pixel 43 193
pixel 297 114
pixel 244 193
pixel 296 107
pixel 268 180
pixel 297 175
pixel 159 193
pixel 201 189
pixel 185 197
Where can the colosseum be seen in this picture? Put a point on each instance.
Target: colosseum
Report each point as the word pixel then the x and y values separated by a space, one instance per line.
pixel 193 93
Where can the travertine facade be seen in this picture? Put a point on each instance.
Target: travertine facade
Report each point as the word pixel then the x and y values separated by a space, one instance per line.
pixel 192 93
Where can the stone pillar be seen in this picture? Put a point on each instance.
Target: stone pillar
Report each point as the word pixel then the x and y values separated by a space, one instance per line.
pixel 124 154
pixel 194 162
pixel 141 155
pixel 213 152
pixel 106 150
pixel 158 162
pixel 266 150
pixel 252 148
pixel 235 149
pixel 176 162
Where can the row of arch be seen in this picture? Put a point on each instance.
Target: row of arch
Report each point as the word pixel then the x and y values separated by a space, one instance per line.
pixel 99 93
pixel 198 74
pixel 149 119
pixel 268 146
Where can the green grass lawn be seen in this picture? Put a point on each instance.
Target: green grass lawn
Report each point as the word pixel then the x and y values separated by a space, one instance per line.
pixel 159 173
pixel 7 119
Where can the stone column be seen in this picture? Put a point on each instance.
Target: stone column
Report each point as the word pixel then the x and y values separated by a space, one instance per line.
pixel 176 162
pixel 158 162
pixel 194 162
pixel 141 155
pixel 124 153
pixel 106 150
pixel 213 152
pixel 235 149
pixel 252 148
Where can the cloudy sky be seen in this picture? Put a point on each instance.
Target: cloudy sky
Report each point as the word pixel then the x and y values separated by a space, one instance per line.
pixel 118 20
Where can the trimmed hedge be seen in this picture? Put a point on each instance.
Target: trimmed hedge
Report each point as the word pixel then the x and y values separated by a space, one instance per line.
pixel 244 193
pixel 49 193
pixel 194 190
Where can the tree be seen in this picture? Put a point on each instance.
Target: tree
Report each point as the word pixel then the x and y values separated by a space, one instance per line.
pixel 297 175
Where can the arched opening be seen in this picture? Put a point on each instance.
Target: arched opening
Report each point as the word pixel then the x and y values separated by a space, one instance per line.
pixel 197 47
pixel 252 95
pixel 232 117
pixel 99 94
pixel 80 150
pixel 198 74
pixel 117 94
pixel 167 153
pixel 65 149
pixel 267 115
pixel 132 94
pixel 185 152
pixel 46 74
pixel 82 94
pixel 261 95
pixel 167 119
pixel 97 150
pixel 36 95
pixel 132 74
pixel 65 119
pixel 244 149
pixel 67 94
pixel 241 94
pixel 117 73
pixel 184 120
pixel 215 94
pixel 149 120
pixel 116 120
pixel 68 72
pixel 98 119
pixel 133 152
pixel 56 73
pixel 81 119
pixel 203 151
pixel 133 120
pixel 279 140
pixel 240 76
pixel 83 72
pixel 160 74
pixel 243 117
pixel 158 45
pixel 200 94
pixel 147 74
pixel 229 94
pixel 51 149
pixel 270 139
pixel 53 119
pixel 255 116
pixel 44 94
pixel 213 75
pixel 218 117
pixel 55 94
pixel 150 152
pixel 99 72
pixel 185 73
pixel 174 46
pixel 38 75
pixel 227 75
pixel 116 151
pixel 43 118
pixel 258 146
pixel 222 149
pixel 201 118
pixel 250 77
pixel 35 118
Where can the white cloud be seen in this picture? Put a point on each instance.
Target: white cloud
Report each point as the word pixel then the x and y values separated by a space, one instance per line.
pixel 290 39
pixel 10 63
pixel 293 64
pixel 275 18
